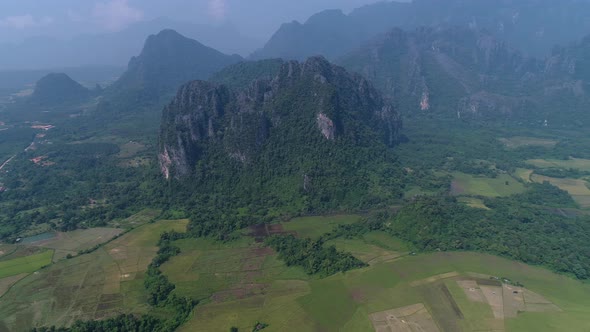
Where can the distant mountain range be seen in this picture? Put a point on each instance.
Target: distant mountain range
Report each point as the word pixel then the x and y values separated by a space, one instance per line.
pixel 168 60
pixel 469 73
pixel 532 26
pixel 56 88
pixel 115 49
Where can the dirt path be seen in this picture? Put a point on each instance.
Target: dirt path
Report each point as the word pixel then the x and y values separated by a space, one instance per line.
pixel 6 162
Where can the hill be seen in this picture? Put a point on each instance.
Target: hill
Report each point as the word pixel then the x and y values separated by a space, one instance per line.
pixel 167 60
pixel 531 25
pixel 292 138
pixel 57 88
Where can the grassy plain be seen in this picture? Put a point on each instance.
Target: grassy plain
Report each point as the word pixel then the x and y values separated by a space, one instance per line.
pixel 470 185
pixel 101 284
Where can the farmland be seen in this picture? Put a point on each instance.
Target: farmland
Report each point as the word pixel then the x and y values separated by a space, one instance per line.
pixel 241 282
pixel 70 243
pixel 470 185
pixel 101 284
pixel 574 163
pixel 25 264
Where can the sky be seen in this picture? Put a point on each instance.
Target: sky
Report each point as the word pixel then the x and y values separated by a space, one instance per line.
pixel 20 19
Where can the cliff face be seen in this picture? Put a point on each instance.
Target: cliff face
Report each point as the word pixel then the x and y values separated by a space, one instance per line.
pixel 455 71
pixel 306 105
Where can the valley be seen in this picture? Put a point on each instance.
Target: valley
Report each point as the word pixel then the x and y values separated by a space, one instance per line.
pixel 403 167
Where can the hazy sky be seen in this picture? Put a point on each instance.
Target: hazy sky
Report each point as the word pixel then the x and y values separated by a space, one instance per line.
pixel 21 19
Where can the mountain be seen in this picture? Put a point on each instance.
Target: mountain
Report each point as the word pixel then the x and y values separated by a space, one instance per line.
pixel 58 88
pixel 115 49
pixel 446 70
pixel 167 60
pixel 241 75
pixel 468 73
pixel 88 76
pixel 532 26
pixel 298 134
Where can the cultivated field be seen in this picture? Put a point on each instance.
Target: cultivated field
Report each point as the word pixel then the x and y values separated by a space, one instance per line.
pixel 579 164
pixel 72 242
pixel 101 284
pixel 240 283
pixel 469 185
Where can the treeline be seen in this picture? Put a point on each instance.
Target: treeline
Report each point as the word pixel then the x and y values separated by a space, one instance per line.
pixel 313 256
pixel 516 227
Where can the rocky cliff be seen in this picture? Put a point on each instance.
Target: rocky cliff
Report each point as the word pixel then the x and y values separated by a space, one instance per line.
pixel 303 117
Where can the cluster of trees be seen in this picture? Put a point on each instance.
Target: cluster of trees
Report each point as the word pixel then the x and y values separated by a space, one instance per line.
pixel 313 256
pixel 130 323
pixel 84 186
pixel 515 227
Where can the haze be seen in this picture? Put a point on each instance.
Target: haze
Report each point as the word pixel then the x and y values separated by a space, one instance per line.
pixel 67 18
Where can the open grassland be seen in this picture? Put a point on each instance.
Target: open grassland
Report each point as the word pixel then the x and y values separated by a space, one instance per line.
pixel 25 264
pixel 130 149
pixel 240 283
pixel 524 174
pixel 82 239
pixel 314 227
pixel 473 202
pixel 138 219
pixel 578 189
pixel 470 185
pixel 524 141
pixel 104 283
pixel 575 163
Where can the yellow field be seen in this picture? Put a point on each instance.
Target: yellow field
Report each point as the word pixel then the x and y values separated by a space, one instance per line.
pixel 524 174
pixel 578 189
pixel 575 163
